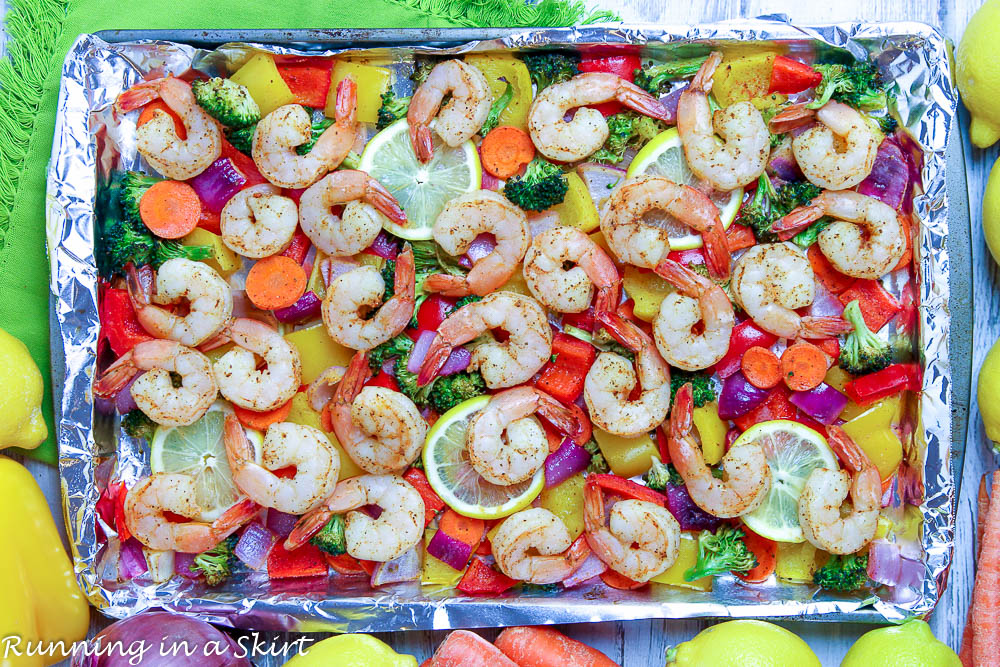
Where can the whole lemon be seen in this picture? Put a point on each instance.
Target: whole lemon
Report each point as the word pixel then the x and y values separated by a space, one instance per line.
pixel 21 421
pixel 744 643
pixel 989 385
pixel 978 76
pixel 911 644
pixel 991 211
pixel 356 650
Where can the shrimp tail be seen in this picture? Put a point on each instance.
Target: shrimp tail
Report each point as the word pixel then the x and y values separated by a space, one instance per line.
pixel 346 109
pixel 684 279
pixel 437 354
pixel 702 81
pixel 235 516
pixel 848 451
pixel 792 118
pixel 139 282
pixel 116 376
pixel 238 448
pixel 569 420
pixel 717 255
pixel 420 138
pixel 681 419
pixel 139 95
pixel 224 337
pixel 623 331
pixel 404 282
pixel 823 327
pixel 637 99
pixel 607 298
pixel 447 284
pixel 355 377
pixel 382 199
pixel 797 220
pixel 306 527
pixel 594 513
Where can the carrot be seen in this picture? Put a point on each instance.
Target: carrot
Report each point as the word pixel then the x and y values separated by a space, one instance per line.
pixel 171 209
pixel 462 528
pixel 261 420
pixel 832 279
pixel 904 261
pixel 803 366
pixel 506 150
pixel 982 508
pixel 761 367
pixel 467 649
pixel 986 591
pixel 150 110
pixel 766 552
pixel 547 647
pixel 620 581
pixel 275 282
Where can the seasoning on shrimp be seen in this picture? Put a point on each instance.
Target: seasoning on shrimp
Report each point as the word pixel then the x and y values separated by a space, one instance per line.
pixel 534 545
pixel 236 371
pixel 258 221
pixel 460 119
pixel 571 290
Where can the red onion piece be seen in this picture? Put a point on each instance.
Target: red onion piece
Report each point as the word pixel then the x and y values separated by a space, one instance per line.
pixel 565 462
pixel 823 403
pixel 124 403
pixel 670 101
pixel 389 367
pixel 541 221
pixel 457 361
pixel 480 247
pixel 688 515
pixel 590 568
pixel 450 551
pixel 404 568
pixel 183 563
pixel 384 246
pixel 601 181
pixel 891 564
pixel 419 352
pixel 254 545
pixel 825 303
pixel 306 308
pixel 131 560
pixel 218 183
pixel 280 523
pixel 333 267
pixel 739 397
pixel 320 392
pixel 889 180
pixel 491 182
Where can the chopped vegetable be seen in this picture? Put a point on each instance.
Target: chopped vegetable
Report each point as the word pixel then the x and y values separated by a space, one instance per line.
pixel 132 186
pixel 660 476
pixel 399 346
pixel 432 502
pixel 330 538
pixel 309 78
pixel 597 462
pixel 832 279
pixel 547 647
pixel 149 112
pixel 761 367
pixel 765 551
pixel 497 108
pixel 393 108
pixel 170 209
pixel 627 488
pixel 687 513
pixel 542 185
pixel 627 456
pixel 823 403
pixel 565 462
pixel 769 204
pixel 622 65
pixel 450 550
pixel 808 236
pixel 803 366
pixel 656 79
pixel 745 335
pixel 226 101
pixel 275 282
pixel 119 324
pixel 774 406
pixel 138 425
pixel 548 67
pixel 468 649
pixel 702 389
pixel 626 129
pixel 564 375
pixel 481 579
pixel 720 552
pixel 863 352
pixel 739 397
pixel 261 78
pixel 843 573
pixel 791 76
pixel 254 545
pixel 305 561
pixel 421 70
pixel 242 139
pixel 217 563
pixel 886 382
pixel 505 151
pixel 876 304
pixel 858 84
pixel 450 390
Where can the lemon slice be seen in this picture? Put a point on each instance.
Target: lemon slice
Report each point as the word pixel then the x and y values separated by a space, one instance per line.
pixel 664 156
pixel 792 451
pixel 421 189
pixel 198 450
pixel 451 475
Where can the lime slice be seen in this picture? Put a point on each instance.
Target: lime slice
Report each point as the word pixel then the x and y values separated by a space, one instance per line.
pixel 447 466
pixel 198 450
pixel 421 189
pixel 664 156
pixel 792 451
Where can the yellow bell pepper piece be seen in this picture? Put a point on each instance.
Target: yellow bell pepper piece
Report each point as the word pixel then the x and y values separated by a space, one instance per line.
pixel 302 413
pixel 742 78
pixel 627 457
pixel 769 101
pixel 712 432
pixel 316 284
pixel 647 289
pixel 318 351
pixel 499 70
pixel 517 284
pixel 872 431
pixel 436 572
pixel 223 260
pixel 354 650
pixel 565 500
pixel 577 209
pixel 909 528
pixel 687 556
pixel 266 86
pixel 882 528
pixel 795 562
pixel 371 81
pixel 41 601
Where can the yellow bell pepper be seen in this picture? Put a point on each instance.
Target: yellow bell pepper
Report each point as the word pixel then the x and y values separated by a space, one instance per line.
pixel 627 457
pixel 371 81
pixel 302 413
pixel 517 284
pixel 435 572
pixel 355 650
pixel 223 260
pixel 41 601
pixel 872 431
pixel 795 562
pixel 838 378
pixel 316 284
pixel 500 70
pixel 742 78
pixel 687 556
pixel 318 351
pixel 577 209
pixel 712 432
pixel 266 86
pixel 565 500
pixel 647 289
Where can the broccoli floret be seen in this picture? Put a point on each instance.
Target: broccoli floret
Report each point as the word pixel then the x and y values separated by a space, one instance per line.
pixel 656 78
pixel 863 352
pixel 217 563
pixel 242 139
pixel 627 129
pixel 542 186
pixel 810 234
pixel 226 101
pixel 551 67
pixel 395 347
pixel 421 70
pixel 720 552
pixel 887 124
pixel 843 573
pixel 769 205
pixel 450 390
pixel 858 84
pixel 330 537
pixel 138 425
pixel 407 382
pixel 701 384
pixel 466 300
pixel 499 104
pixel 393 108
pixel 659 475
pixel 134 185
pixel 597 462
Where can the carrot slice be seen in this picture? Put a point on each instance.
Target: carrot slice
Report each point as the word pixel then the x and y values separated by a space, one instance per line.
pixel 620 581
pixel 761 367
pixel 462 528
pixel 171 209
pixel 466 649
pixel 261 420
pixel 547 647
pixel 150 110
pixel 275 282
pixel 766 552
pixel 506 150
pixel 803 366
pixel 986 590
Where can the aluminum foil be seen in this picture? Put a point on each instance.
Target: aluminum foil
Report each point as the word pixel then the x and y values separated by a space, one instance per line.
pixel 89 142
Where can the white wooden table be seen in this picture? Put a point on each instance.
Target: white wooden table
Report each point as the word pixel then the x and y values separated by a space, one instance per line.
pixel 640 643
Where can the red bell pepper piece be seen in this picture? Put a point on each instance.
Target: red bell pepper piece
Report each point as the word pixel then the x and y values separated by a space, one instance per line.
pixel 295 194
pixel 119 324
pixel 383 379
pixel 306 561
pixel 433 312
pixel 432 502
pixel 776 406
pixel 584 320
pixel 346 565
pixel 745 335
pixel 308 79
pixel 563 377
pixel 661 444
pixel 830 347
pixel 481 579
pixel 244 163
pixel 877 305
pixel 791 76
pixel 299 247
pixel 626 487
pixel 886 382
pixel 832 279
pixel 766 552
pixel 619 64
pixel 210 221
pixel 739 237
pixel 694 256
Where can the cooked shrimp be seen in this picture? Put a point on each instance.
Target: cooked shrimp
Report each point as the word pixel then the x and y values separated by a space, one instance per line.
pixel 258 221
pixel 742 155
pixel 866 239
pixel 611 379
pixel 147 502
pixel 640 541
pixel 635 241
pixel 839 151
pixel 280 132
pixel 208 296
pixel 237 374
pixel 157 140
pixel 506 443
pixel 501 364
pixel 316 461
pixel 352 295
pixel 570 290
pixel 825 524
pixel 569 141
pixel 746 473
pixel 771 281
pixel 463 219
pixel 360 222
pixel 534 545
pixel 380 429
pixel 398 528
pixel 460 118
pixel 693 326
pixel 153 391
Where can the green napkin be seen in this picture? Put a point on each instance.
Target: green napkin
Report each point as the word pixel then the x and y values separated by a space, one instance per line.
pixel 40 33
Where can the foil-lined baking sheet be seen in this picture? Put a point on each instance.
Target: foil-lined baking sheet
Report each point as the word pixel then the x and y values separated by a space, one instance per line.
pixel 89 142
